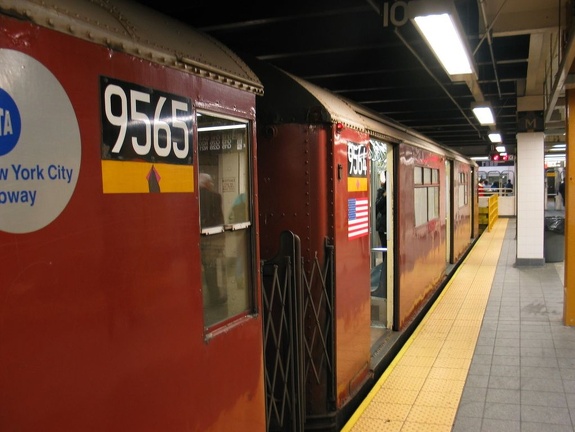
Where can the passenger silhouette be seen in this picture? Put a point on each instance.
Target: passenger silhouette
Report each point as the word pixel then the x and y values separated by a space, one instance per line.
pixel 212 245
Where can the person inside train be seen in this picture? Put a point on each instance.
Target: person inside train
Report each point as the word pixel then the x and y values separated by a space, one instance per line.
pixel 508 188
pixel 381 213
pixel 239 213
pixel 212 246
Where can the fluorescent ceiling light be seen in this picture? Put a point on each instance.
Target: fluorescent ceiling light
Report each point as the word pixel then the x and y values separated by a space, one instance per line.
pixel 225 127
pixel 484 114
pixel 495 137
pixel 554 158
pixel 500 149
pixel 438 23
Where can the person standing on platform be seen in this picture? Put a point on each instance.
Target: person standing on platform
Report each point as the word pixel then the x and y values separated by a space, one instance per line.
pixel 561 191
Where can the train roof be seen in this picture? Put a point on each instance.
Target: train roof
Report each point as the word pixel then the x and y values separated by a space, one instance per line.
pixel 135 29
pixel 385 128
pixel 289 98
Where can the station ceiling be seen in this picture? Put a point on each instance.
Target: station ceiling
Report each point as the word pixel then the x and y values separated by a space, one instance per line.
pixel 367 51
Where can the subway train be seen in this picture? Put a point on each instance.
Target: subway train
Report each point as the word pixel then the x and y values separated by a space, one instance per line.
pixel 322 160
pixel 188 238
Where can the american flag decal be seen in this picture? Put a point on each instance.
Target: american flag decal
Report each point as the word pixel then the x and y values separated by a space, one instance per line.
pixel 357 218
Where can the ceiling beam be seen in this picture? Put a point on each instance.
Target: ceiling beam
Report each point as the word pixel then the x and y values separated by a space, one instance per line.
pixel 516 17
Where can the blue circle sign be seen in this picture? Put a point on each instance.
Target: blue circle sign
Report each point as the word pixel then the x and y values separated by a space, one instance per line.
pixel 40 145
pixel 10 123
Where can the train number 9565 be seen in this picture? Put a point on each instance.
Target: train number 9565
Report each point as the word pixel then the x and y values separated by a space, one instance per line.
pixel 140 123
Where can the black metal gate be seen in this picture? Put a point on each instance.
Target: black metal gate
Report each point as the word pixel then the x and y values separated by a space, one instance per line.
pixel 298 322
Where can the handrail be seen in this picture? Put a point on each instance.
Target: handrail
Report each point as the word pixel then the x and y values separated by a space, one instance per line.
pixel 501 191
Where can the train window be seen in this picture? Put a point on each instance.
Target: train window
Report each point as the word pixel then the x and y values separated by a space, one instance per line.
pixel 432 202
pixel 463 189
pixel 418 175
pixel 426 194
pixel 420 196
pixel 225 216
pixel 507 182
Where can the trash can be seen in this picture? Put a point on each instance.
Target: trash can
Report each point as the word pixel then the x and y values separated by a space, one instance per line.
pixel 554 239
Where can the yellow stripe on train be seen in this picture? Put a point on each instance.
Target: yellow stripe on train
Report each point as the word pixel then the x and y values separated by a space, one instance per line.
pixel 145 177
pixel 356 184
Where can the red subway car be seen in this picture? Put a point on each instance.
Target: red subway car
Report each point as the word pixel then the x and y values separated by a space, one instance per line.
pixel 129 299
pixel 351 274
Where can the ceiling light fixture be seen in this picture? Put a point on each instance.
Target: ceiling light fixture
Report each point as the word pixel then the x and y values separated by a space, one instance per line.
pixel 484 113
pixel 501 149
pixel 438 23
pixel 223 127
pixel 558 147
pixel 495 137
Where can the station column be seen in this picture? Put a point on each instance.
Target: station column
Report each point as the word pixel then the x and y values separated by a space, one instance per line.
pixel 530 193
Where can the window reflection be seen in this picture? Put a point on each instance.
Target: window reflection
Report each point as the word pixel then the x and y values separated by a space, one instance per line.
pixel 225 216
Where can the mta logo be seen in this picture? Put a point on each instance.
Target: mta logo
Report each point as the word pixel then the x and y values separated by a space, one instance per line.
pixel 10 123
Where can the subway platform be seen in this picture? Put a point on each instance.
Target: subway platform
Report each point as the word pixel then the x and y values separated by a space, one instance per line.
pixel 491 355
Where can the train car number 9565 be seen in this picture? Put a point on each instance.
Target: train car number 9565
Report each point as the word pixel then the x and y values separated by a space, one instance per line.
pixel 140 123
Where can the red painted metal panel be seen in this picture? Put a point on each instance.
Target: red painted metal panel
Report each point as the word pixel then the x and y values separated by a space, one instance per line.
pixel 421 257
pixel 293 191
pixel 352 265
pixel 101 315
pixel 294 195
pixel 312 201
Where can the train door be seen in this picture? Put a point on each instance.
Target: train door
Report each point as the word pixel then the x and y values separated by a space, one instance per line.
pixel 381 259
pixel 391 223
